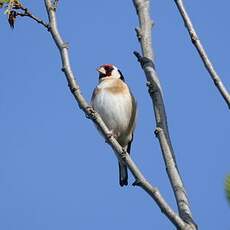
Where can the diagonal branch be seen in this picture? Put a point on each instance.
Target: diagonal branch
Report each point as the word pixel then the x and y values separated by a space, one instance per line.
pixel 203 55
pixel 121 154
pixel 155 91
pixel 26 13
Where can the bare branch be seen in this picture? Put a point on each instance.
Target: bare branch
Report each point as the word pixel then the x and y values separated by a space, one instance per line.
pixel 27 13
pixel 197 43
pixel 147 62
pixel 121 154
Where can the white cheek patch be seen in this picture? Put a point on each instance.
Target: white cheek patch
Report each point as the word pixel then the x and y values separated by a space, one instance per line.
pixel 115 73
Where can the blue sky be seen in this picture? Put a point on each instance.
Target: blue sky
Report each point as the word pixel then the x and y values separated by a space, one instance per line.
pixel 56 172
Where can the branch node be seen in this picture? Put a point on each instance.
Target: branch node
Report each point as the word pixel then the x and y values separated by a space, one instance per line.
pixel 151 88
pixel 51 8
pixel 138 33
pixel 144 61
pixel 90 112
pixel 194 37
pixel 187 218
pixel 109 135
pixel 157 131
pixel 27 13
pixel 216 81
pixel 137 182
pixel 65 45
pixel 48 27
pixel 73 89
pixel 179 188
pixel 55 5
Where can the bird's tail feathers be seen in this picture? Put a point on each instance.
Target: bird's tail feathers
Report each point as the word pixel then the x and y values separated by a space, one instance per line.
pixel 123 170
pixel 123 174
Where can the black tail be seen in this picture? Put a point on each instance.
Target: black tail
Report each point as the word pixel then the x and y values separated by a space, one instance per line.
pixel 123 170
pixel 123 175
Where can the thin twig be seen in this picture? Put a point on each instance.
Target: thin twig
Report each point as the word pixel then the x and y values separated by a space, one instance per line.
pixel 197 43
pixel 27 13
pixel 121 154
pixel 147 62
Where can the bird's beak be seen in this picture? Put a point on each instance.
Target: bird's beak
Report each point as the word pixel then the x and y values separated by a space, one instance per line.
pixel 101 70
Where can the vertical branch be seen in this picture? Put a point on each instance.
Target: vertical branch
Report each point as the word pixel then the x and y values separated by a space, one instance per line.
pixel 155 91
pixel 203 55
pixel 121 154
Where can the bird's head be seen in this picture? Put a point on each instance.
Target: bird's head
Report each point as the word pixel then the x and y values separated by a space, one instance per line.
pixel 109 71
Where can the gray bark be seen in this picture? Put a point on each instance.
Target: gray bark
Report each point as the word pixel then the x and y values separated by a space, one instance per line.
pixel 121 154
pixel 203 55
pixel 144 35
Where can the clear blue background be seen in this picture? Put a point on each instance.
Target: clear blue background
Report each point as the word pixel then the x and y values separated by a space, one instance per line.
pixel 56 172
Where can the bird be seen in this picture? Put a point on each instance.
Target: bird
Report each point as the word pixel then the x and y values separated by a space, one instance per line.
pixel 115 103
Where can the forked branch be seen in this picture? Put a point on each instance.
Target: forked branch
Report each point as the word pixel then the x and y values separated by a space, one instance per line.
pixel 122 155
pixel 26 13
pixel 15 8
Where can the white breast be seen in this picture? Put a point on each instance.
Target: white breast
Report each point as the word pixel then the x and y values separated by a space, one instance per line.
pixel 115 109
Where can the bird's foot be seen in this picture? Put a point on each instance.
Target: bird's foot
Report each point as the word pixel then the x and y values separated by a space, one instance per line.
pixel 90 112
pixel 109 135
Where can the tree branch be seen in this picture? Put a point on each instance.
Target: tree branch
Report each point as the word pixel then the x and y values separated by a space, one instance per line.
pixel 147 63
pixel 55 4
pixel 198 45
pixel 121 154
pixel 27 13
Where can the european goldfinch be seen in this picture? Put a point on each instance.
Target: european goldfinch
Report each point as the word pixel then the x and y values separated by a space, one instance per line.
pixel 113 100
